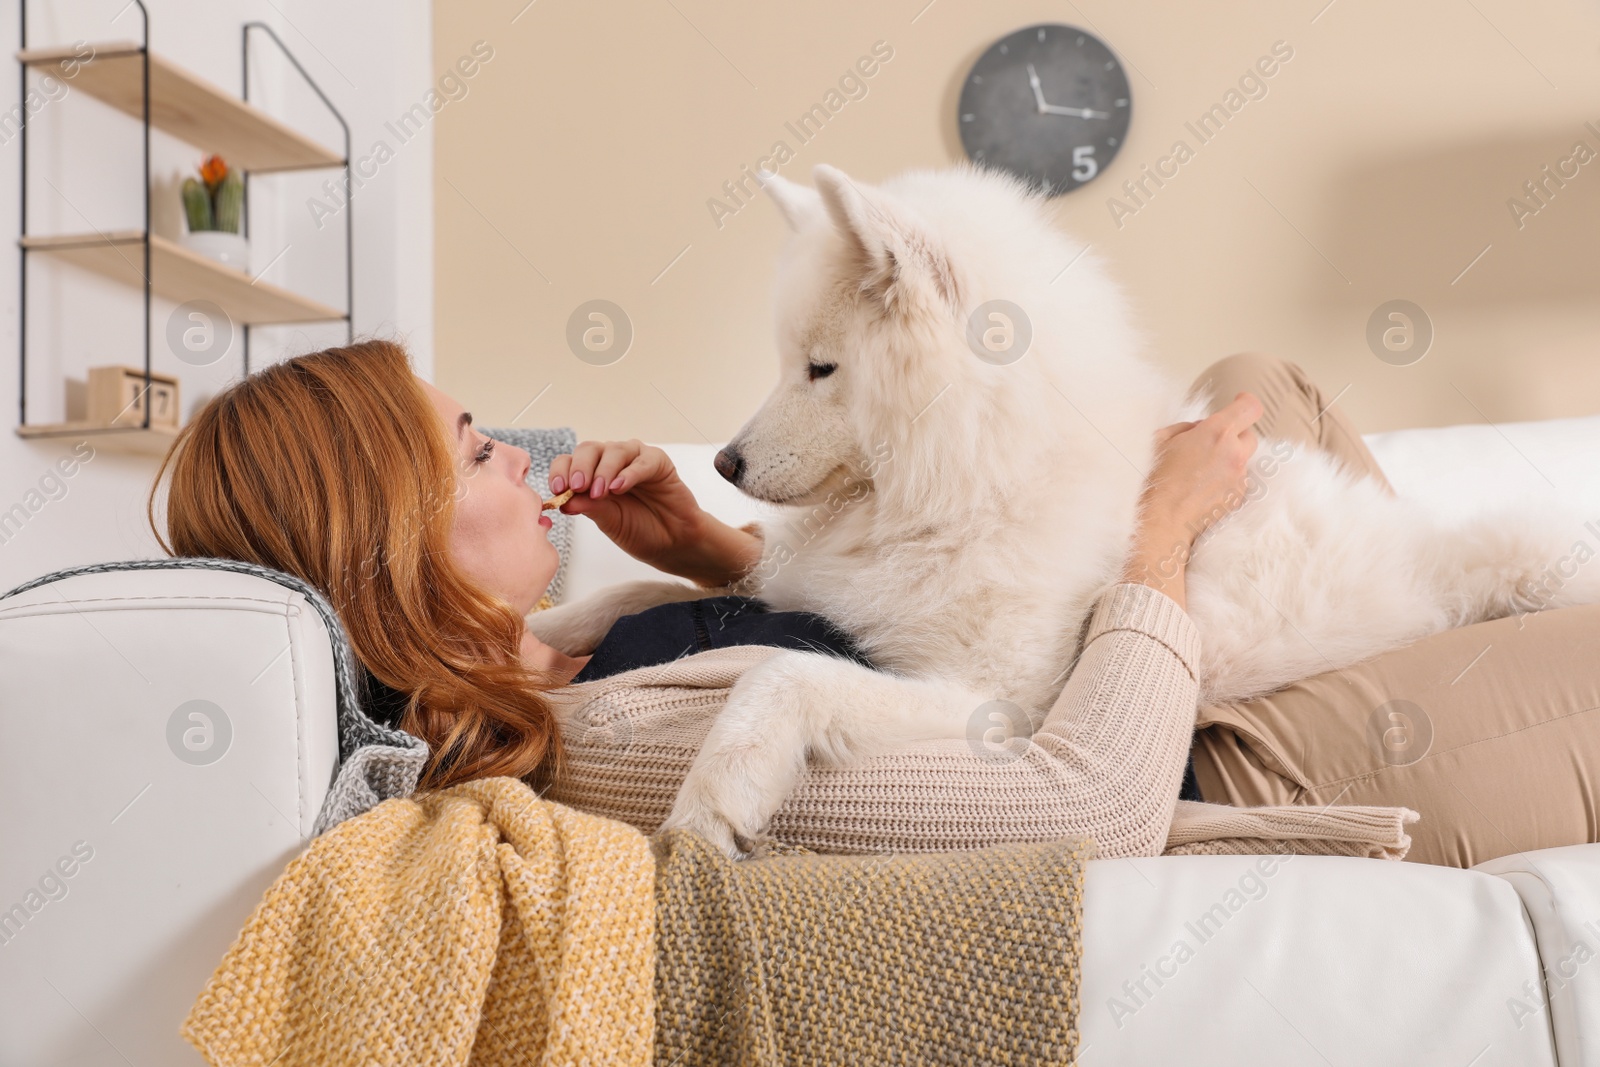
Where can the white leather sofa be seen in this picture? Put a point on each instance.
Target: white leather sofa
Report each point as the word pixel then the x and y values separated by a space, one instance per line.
pixel 167 738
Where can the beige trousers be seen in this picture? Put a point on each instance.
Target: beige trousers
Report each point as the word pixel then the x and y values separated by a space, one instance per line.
pixel 1491 731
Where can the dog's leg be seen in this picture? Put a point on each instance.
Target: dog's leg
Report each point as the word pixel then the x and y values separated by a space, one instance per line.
pixel 576 629
pixel 800 704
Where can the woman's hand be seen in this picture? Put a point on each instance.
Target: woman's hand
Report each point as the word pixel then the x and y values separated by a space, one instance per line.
pixel 633 493
pixel 1198 477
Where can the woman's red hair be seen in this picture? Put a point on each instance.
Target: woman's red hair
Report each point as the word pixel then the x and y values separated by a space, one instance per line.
pixel 333 467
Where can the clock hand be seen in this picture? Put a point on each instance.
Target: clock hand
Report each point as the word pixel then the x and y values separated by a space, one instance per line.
pixel 1038 93
pixel 1075 112
pixel 1052 109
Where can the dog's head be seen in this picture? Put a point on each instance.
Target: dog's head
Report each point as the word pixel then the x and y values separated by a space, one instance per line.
pixel 885 302
pixel 863 279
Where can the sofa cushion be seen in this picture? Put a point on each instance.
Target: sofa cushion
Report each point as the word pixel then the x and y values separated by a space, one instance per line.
pixel 1459 471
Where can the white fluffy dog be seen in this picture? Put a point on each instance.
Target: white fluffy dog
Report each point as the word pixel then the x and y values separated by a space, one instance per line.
pixel 957 503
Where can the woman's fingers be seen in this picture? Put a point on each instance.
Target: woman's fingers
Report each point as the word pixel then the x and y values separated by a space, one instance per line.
pixel 1249 412
pixel 601 468
pixel 648 465
pixel 1167 433
pixel 559 468
pixel 1233 429
pixel 1241 414
pixel 584 458
pixel 613 458
pixel 1200 469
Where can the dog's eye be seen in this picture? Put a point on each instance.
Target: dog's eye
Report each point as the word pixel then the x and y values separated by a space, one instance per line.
pixel 820 370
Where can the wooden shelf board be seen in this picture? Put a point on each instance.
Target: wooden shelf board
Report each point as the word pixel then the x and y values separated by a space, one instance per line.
pixel 181 275
pixel 153 441
pixel 190 108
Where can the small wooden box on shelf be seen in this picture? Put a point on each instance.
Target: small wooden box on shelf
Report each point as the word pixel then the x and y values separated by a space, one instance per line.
pixel 117 398
pixel 114 412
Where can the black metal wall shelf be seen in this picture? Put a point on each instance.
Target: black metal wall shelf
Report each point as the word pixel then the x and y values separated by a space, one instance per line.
pixel 162 95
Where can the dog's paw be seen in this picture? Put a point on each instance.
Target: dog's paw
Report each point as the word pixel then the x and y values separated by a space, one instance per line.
pixel 754 754
pixel 700 815
pixel 730 795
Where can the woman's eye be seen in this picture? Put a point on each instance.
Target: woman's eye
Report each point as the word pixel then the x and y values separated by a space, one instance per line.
pixel 485 452
pixel 820 370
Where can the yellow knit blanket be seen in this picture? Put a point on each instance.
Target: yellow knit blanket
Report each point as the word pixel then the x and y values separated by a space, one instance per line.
pixel 476 925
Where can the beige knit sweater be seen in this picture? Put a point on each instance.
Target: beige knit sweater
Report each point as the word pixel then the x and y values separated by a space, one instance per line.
pixel 1107 763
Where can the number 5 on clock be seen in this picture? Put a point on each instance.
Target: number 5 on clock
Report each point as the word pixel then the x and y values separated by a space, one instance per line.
pixel 1084 166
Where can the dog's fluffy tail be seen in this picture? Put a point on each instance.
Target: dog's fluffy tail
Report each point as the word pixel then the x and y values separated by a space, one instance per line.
pixel 1515 561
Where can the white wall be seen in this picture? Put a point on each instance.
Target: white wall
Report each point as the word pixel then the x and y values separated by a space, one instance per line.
pixel 372 59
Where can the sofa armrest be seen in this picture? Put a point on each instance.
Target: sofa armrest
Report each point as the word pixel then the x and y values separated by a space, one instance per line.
pixel 1560 889
pixel 166 741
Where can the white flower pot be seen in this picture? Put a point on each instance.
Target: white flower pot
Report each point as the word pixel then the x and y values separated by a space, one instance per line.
pixel 229 249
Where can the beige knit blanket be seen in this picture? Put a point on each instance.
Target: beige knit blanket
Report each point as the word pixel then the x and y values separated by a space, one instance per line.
pixel 958 958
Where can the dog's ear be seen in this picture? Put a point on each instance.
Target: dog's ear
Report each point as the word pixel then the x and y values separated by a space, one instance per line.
pixel 902 263
pixel 796 203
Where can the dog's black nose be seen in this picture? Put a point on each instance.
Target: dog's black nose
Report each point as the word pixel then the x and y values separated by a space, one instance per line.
pixel 730 465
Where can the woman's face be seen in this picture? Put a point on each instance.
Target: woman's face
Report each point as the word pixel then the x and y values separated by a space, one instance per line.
pixel 500 537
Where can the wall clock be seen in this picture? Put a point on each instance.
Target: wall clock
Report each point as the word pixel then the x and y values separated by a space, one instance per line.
pixel 1048 103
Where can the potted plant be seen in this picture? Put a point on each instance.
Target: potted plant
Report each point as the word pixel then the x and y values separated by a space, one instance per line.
pixel 213 206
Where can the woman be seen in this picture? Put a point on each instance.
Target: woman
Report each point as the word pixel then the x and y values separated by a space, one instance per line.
pixel 344 469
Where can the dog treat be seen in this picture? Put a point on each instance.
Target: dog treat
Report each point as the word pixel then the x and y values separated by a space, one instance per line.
pixel 557 500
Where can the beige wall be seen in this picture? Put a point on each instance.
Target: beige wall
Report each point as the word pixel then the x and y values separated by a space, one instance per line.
pixel 1378 166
